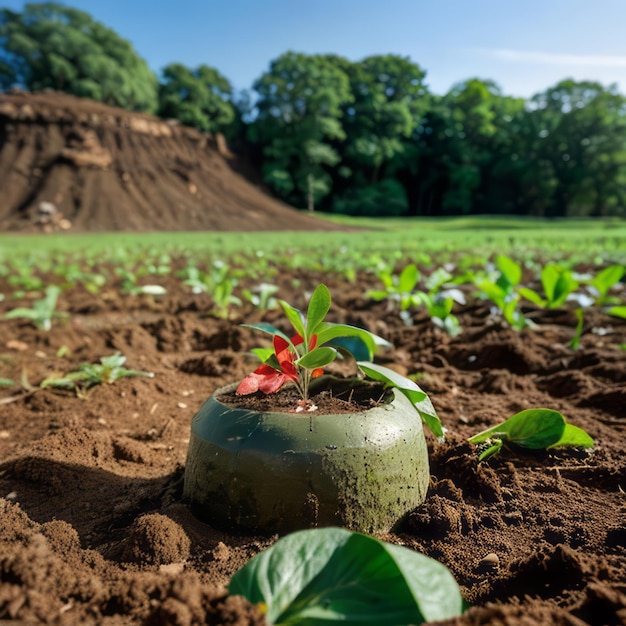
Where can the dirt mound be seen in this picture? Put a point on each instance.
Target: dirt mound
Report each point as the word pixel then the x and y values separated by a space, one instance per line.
pixel 70 163
pixel 93 528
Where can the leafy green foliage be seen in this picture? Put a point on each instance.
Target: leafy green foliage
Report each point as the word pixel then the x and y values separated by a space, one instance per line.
pixel 219 282
pixel 42 311
pixel 501 290
pixel 130 285
pixel 50 45
pixel 558 283
pixel 316 344
pixel 535 429
pixel 298 120
pixel 388 100
pixel 109 370
pixel 411 390
pixel 575 342
pixel 332 575
pixel 200 97
pixel 262 296
pixel 618 311
pixel 401 290
pixel 398 288
pixel 604 281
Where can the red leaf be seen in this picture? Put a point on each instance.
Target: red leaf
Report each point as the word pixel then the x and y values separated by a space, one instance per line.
pixel 248 385
pixel 264 378
pixel 270 384
pixel 280 344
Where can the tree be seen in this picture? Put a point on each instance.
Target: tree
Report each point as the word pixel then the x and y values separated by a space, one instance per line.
pixel 447 167
pixel 54 46
pixel 584 138
pixel 200 98
pixel 389 98
pixel 298 113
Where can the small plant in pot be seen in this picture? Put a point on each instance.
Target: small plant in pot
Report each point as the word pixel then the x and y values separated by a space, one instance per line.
pixel 255 467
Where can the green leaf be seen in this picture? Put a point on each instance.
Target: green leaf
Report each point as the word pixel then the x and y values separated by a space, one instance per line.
pixel 295 317
pixel 533 428
pixel 575 437
pixel 408 278
pixel 510 270
pixel 377 294
pixel 558 283
pixel 328 332
pixel 606 278
pixel 532 296
pixel 319 357
pixel 7 382
pixel 267 328
pixel 574 344
pixel 22 312
pixel 277 575
pixel 331 575
pixel 618 311
pixel 418 398
pixel 319 305
pixel 353 346
pixel 433 587
pixel 493 292
pixel 113 361
pixel 262 353
pixel 549 278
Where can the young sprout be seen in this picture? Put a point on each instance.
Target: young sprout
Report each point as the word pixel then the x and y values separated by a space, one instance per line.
pixel 534 429
pixel 558 283
pixel 299 358
pixel 42 311
pixel 109 370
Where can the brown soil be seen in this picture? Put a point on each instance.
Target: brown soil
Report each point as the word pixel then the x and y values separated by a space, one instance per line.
pixel 74 164
pixel 93 529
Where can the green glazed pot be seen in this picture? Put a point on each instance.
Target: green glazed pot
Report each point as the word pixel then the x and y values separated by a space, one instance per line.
pixel 279 472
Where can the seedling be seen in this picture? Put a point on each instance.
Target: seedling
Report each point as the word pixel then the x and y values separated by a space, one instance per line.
pixel 575 342
pixel 501 291
pixel 316 343
pixel 74 273
pixel 130 286
pixel 333 575
pixel 440 299
pixel 42 312
pixel 558 283
pixel 604 281
pixel 109 370
pixel 24 277
pixel 262 296
pixel 534 429
pixel 398 289
pixel 218 282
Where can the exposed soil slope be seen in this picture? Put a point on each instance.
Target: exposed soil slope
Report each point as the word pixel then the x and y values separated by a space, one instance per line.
pixel 93 529
pixel 70 163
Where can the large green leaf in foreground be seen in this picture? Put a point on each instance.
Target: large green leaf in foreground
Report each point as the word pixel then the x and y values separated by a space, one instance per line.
pixel 332 575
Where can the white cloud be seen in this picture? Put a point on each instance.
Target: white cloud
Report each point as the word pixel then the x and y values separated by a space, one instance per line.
pixel 548 58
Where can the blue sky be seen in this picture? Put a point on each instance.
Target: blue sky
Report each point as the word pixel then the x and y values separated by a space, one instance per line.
pixel 525 47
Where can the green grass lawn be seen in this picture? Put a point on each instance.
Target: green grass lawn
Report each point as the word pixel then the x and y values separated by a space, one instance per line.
pixel 592 239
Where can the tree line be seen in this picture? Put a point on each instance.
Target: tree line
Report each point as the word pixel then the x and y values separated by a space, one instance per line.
pixel 361 138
